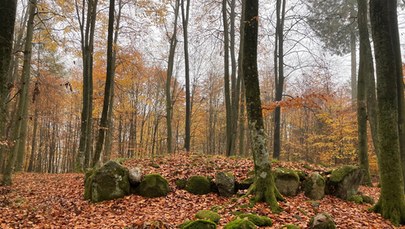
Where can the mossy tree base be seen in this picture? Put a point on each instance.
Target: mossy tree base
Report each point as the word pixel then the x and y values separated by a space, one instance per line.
pixel 268 194
pixel 391 210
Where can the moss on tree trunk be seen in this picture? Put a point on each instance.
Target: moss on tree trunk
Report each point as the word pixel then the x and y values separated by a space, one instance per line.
pixel 384 23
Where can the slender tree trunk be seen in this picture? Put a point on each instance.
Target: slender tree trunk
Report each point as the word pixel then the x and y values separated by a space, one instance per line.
pixel 185 10
pixel 34 139
pixel 235 80
pixel 23 99
pixel 362 90
pixel 353 65
pixel 109 84
pixel 264 186
pixel 169 101
pixel 279 75
pixel 383 14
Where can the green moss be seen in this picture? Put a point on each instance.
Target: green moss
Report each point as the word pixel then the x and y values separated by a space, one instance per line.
pixel 260 221
pixel 208 215
pixel 338 174
pixel 88 180
pixel 290 226
pixel 240 224
pixel 198 185
pixel 367 199
pixel 181 183
pixel 358 199
pixel 198 224
pixel 216 208
pixel 153 185
pixel 287 173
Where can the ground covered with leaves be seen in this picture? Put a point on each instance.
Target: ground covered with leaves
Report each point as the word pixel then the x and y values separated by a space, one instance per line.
pixel 56 200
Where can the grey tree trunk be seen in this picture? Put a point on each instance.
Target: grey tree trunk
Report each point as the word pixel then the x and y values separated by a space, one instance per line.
pixel 23 99
pixel 109 84
pixel 264 187
pixel 362 19
pixel 383 14
pixel 279 75
pixel 185 10
pixel 169 100
pixel 353 56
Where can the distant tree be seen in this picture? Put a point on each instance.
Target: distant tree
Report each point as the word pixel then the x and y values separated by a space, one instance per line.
pixel 334 22
pixel 264 186
pixel 384 24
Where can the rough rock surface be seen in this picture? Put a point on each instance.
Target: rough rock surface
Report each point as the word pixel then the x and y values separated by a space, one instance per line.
pixel 225 183
pixel 153 185
pixel 287 181
pixel 344 182
pixel 314 186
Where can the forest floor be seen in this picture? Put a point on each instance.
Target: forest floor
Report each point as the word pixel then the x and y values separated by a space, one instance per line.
pixel 56 200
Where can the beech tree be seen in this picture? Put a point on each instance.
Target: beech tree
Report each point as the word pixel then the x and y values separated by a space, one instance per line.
pixel 264 186
pixel 384 24
pixel 7 16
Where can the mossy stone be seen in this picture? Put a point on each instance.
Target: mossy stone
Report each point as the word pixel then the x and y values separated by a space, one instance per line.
pixel 198 185
pixel 260 221
pixel 88 180
pixel 208 215
pixel 287 181
pixel 322 221
pixel 338 174
pixel 199 224
pixel 107 183
pixel 314 186
pixel 153 185
pixel 367 199
pixel 240 223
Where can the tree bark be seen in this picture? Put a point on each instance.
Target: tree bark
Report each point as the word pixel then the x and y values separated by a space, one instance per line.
pixel 264 186
pixel 23 99
pixel 383 14
pixel 361 90
pixel 279 75
pixel 7 17
pixel 185 10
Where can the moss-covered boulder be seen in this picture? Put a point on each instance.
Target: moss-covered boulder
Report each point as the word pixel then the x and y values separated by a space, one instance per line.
pixel 198 224
pixel 344 181
pixel 198 185
pixel 107 183
pixel 240 223
pixel 261 221
pixel 322 221
pixel 153 185
pixel 225 183
pixel 208 215
pixel 287 181
pixel 314 186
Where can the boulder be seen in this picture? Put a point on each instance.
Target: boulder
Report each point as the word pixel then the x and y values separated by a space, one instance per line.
pixel 135 176
pixel 239 223
pixel 245 184
pixel 225 183
pixel 107 183
pixel 198 185
pixel 261 221
pixel 314 186
pixel 322 221
pixel 208 215
pixel 153 185
pixel 287 181
pixel 344 181
pixel 198 224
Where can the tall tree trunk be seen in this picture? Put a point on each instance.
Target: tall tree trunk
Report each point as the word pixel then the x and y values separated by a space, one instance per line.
pixel 383 14
pixel 34 139
pixel 169 100
pixel 235 80
pixel 353 65
pixel 185 10
pixel 362 90
pixel 264 186
pixel 23 99
pixel 279 75
pixel 7 17
pixel 109 84
pixel 227 93
pixel 87 29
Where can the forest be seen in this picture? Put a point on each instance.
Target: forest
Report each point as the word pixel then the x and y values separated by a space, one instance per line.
pixel 202 114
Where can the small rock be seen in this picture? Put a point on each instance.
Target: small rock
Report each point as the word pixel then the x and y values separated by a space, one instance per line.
pixel 135 176
pixel 322 221
pixel 198 185
pixel 153 185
